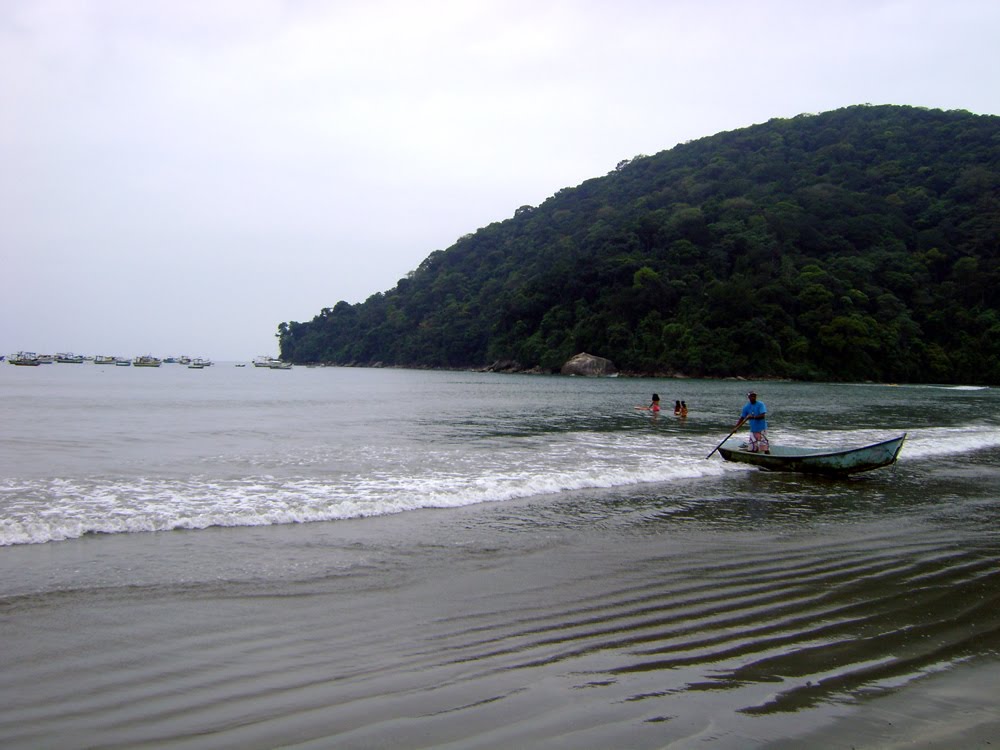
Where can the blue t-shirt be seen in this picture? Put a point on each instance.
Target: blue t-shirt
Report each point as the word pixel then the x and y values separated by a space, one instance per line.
pixel 755 412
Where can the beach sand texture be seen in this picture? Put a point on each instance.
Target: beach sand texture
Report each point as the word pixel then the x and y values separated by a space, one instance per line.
pixel 447 631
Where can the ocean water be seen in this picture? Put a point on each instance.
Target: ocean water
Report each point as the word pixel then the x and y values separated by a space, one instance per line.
pixel 91 449
pixel 337 557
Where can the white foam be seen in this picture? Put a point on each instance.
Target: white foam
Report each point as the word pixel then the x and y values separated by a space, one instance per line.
pixel 920 385
pixel 43 510
pixel 947 441
pixel 920 443
pixel 444 479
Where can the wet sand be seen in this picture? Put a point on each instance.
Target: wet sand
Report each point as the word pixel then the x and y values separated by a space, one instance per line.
pixel 954 709
pixel 501 626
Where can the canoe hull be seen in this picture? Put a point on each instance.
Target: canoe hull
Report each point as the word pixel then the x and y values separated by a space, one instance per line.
pixel 817 460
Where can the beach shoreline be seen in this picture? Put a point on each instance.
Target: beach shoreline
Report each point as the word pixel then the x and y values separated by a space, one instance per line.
pixel 438 628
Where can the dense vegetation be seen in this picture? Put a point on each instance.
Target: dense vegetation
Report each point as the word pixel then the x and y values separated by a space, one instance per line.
pixel 859 244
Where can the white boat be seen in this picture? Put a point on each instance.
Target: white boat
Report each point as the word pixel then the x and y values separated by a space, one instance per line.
pixel 264 361
pixel 103 359
pixel 24 359
pixel 122 362
pixel 279 365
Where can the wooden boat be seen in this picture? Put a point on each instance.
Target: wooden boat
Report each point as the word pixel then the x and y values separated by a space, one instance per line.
pixel 147 360
pixel 816 460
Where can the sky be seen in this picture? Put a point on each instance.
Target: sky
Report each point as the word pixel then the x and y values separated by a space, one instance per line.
pixel 181 176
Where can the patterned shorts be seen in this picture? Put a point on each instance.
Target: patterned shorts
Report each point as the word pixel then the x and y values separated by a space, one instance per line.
pixel 758 442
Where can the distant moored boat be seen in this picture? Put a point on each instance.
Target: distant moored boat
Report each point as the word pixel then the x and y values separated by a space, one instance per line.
pixel 24 359
pixel 147 361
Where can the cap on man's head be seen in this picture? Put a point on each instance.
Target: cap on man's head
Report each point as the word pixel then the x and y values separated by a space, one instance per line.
pixel 751 393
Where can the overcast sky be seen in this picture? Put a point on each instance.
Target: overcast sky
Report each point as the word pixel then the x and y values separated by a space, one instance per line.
pixel 181 176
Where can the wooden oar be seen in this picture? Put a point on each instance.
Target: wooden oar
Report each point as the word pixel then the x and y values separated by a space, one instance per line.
pixel 738 425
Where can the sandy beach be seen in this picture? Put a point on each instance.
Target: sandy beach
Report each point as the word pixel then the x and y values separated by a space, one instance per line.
pixel 953 709
pixel 454 630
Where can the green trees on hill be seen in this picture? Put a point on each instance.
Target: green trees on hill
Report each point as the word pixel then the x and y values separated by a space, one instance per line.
pixel 857 244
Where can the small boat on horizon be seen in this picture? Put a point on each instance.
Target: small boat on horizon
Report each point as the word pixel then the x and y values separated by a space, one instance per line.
pixel 24 359
pixel 147 360
pixel 816 460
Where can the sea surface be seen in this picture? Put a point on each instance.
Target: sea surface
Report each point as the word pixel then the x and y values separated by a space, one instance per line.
pixel 357 558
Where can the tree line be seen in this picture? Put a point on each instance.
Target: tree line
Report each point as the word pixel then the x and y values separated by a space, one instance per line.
pixel 858 244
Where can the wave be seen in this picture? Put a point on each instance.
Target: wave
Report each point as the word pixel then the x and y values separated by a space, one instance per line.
pixel 920 443
pixel 949 441
pixel 450 480
pixel 446 479
pixel 922 385
pixel 953 387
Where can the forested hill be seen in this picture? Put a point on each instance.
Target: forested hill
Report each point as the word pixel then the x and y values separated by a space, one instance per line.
pixel 858 244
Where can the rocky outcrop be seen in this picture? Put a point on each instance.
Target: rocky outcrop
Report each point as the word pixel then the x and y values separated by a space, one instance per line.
pixel 589 366
pixel 505 365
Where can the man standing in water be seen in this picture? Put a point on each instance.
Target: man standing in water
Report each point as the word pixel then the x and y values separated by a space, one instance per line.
pixel 756 413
